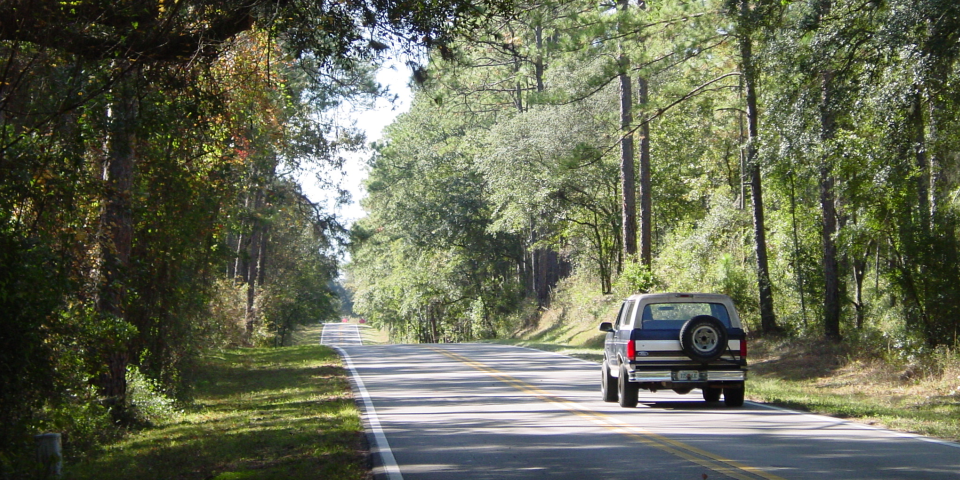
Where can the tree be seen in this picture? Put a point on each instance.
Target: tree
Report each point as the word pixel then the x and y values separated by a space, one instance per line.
pixel 425 263
pixel 746 17
pixel 122 159
pixel 627 162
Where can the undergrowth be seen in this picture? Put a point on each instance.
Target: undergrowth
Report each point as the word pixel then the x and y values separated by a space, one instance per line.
pixel 869 377
pixel 283 413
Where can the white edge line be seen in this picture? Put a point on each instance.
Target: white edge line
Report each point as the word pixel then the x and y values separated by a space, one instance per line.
pixel 864 426
pixel 383 447
pixel 914 436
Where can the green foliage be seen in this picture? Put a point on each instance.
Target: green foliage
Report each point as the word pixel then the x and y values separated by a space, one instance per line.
pixel 147 152
pixel 635 278
pixel 299 291
pixel 146 401
pixel 502 178
pixel 855 123
pixel 28 298
pixel 426 264
pixel 223 326
pixel 287 413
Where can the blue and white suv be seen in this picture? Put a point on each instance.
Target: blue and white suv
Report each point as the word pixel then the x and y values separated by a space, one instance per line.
pixel 675 341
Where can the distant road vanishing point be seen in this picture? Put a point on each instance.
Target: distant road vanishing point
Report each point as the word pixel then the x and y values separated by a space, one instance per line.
pixel 340 334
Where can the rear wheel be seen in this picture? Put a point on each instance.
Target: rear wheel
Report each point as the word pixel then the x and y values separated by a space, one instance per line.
pixel 607 384
pixel 711 394
pixel 733 397
pixel 629 392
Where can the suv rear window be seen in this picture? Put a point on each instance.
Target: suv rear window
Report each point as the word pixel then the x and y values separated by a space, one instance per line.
pixel 674 315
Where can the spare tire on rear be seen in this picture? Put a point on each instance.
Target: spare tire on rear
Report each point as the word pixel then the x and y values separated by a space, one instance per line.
pixel 703 338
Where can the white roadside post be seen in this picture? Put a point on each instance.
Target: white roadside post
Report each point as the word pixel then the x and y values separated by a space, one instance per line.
pixel 49 453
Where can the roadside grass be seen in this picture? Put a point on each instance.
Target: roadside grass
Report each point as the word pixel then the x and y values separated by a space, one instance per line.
pixel 837 380
pixel 374 336
pixel 306 335
pixel 265 413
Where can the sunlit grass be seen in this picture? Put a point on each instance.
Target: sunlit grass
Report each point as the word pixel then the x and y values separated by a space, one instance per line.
pixel 814 377
pixel 937 416
pixel 803 375
pixel 374 336
pixel 258 413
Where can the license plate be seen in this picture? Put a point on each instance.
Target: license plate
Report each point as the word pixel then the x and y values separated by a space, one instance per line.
pixel 687 376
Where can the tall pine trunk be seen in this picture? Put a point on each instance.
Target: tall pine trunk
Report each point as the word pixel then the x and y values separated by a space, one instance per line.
pixel 768 320
pixel 116 226
pixel 627 176
pixel 831 268
pixel 253 262
pixel 545 262
pixel 646 192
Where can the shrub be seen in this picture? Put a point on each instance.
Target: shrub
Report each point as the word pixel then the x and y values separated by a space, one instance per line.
pixel 146 402
pixel 635 278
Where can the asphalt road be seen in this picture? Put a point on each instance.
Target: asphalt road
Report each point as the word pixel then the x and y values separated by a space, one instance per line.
pixel 478 411
pixel 340 334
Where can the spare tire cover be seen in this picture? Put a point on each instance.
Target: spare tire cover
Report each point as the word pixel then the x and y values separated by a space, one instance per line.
pixel 703 338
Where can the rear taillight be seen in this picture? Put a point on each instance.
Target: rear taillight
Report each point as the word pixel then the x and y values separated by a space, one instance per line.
pixel 632 350
pixel 743 348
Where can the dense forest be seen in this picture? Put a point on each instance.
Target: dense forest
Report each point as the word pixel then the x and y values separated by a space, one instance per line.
pixel 148 205
pixel 799 156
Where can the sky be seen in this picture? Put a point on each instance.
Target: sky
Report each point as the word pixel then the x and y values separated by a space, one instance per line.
pixel 372 122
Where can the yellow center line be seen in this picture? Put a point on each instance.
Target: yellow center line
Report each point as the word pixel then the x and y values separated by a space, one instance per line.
pixel 701 457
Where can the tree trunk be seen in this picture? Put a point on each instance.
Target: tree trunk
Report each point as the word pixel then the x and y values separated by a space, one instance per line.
pixel 517 68
pixel 938 182
pixel 538 68
pixel 831 270
pixel 646 192
pixel 240 265
pixel 742 204
pixel 937 77
pixel 231 266
pixel 920 156
pixel 627 179
pixel 627 176
pixel 828 208
pixel 116 224
pixel 250 315
pixel 252 260
pixel 796 250
pixel 859 274
pixel 262 256
pixel 434 324
pixel 546 266
pixel 768 320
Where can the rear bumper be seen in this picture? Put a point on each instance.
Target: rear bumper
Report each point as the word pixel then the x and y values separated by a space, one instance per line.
pixel 669 376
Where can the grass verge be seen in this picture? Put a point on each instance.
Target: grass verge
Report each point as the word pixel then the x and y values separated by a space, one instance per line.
pixel 841 380
pixel 265 413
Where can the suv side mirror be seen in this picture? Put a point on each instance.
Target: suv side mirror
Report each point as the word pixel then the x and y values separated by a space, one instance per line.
pixel 606 327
